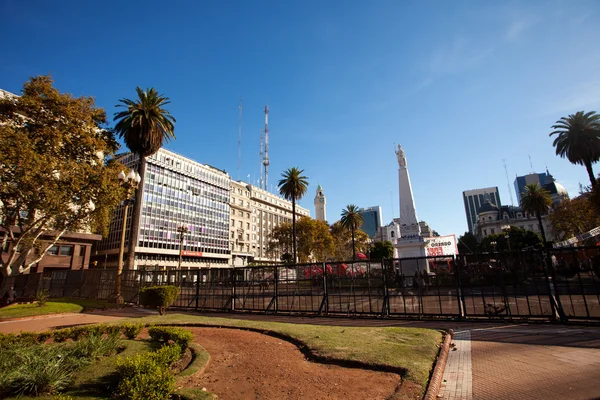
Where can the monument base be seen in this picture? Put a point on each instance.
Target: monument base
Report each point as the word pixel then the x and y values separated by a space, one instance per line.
pixel 412 255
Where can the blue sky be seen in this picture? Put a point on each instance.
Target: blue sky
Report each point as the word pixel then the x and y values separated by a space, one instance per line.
pixel 461 85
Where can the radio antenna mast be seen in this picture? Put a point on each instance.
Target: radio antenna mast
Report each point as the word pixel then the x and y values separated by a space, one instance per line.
pixel 512 203
pixel 265 155
pixel 240 138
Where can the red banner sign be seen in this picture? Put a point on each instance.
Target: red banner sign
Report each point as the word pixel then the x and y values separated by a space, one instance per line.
pixel 191 253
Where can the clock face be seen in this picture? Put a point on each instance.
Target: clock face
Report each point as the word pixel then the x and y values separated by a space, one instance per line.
pixel 321 200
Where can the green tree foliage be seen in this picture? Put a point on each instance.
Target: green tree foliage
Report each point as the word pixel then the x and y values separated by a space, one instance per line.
pixel 144 125
pixel 537 201
pixel 314 240
pixel 519 239
pixel 352 220
pixel 293 186
pixel 578 139
pixel 160 297
pixel 54 172
pixel 381 250
pixel 342 242
pixel 467 243
pixel 576 216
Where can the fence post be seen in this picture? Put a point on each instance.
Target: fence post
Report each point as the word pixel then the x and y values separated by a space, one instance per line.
pixel 233 291
pixel 276 294
pixel 385 311
pixel 553 294
pixel 459 292
pixel 197 288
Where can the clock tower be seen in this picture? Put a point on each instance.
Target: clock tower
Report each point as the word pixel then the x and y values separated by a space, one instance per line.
pixel 320 204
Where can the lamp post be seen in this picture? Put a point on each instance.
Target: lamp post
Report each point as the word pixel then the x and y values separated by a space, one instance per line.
pixel 493 243
pixel 506 230
pixel 130 182
pixel 182 230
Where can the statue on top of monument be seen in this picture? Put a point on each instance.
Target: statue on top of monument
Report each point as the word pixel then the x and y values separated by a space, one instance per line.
pixel 401 157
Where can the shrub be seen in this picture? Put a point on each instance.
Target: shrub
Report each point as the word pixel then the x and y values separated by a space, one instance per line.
pixel 60 335
pixel 144 378
pixel 28 338
pixel 41 297
pixel 131 330
pixel 167 355
pixel 165 334
pixel 95 346
pixel 44 336
pixel 159 297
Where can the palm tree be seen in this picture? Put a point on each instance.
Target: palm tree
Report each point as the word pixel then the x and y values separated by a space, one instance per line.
pixel 144 125
pixel 352 219
pixel 292 187
pixel 579 139
pixel 536 200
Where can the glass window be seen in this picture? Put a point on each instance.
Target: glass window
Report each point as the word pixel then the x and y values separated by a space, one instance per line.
pixel 66 250
pixel 81 251
pixel 53 250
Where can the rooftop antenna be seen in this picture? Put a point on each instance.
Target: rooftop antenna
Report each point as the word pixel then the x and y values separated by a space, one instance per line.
pixel 265 158
pixel 240 138
pixel 531 164
pixel 262 153
pixel 512 203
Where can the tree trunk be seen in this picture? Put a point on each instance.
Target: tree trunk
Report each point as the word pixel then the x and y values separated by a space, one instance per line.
pixel 135 217
pixel 539 217
pixel 590 171
pixel 353 246
pixel 294 228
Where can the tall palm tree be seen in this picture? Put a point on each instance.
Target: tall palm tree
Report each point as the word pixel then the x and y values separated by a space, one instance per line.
pixel 293 186
pixel 144 125
pixel 578 139
pixel 536 200
pixel 352 219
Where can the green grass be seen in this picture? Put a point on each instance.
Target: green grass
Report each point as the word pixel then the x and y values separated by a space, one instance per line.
pixel 412 349
pixel 95 380
pixel 54 306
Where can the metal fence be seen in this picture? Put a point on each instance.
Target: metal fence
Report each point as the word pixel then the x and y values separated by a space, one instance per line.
pixel 560 284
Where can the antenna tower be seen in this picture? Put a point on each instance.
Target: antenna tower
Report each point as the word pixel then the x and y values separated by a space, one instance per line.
pixel 265 150
pixel 512 203
pixel 240 138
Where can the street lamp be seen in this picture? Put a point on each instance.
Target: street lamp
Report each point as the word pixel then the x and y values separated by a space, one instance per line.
pixel 130 182
pixel 182 230
pixel 493 243
pixel 506 230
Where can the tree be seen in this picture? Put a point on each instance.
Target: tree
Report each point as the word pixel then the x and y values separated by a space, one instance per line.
pixel 314 240
pixel 578 139
pixel 576 216
pixel 381 250
pixel 293 186
pixel 54 171
pixel 352 219
pixel 144 125
pixel 343 248
pixel 467 243
pixel 537 201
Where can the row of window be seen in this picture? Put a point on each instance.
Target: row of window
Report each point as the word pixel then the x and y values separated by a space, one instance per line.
pixel 65 250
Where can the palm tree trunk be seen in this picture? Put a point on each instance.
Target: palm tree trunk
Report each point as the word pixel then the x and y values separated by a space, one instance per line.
pixel 294 228
pixel 353 246
pixel 539 218
pixel 590 171
pixel 135 217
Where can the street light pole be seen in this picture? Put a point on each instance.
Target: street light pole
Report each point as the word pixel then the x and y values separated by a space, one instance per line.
pixel 182 230
pixel 130 182
pixel 506 230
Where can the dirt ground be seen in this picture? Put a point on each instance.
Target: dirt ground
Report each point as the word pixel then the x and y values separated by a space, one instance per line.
pixel 249 365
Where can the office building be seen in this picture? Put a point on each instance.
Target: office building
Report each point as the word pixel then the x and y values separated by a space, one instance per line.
pixel 177 192
pixel 474 199
pixel 545 180
pixel 371 220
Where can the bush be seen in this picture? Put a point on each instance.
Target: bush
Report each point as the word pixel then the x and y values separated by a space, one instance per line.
pixel 41 297
pixel 159 297
pixel 131 330
pixel 95 346
pixel 165 334
pixel 144 378
pixel 167 355
pixel 60 335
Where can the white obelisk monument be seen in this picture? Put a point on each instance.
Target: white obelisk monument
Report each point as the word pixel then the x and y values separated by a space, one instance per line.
pixel 410 243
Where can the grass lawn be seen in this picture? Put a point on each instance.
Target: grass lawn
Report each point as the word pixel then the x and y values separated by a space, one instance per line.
pixel 53 306
pixel 412 349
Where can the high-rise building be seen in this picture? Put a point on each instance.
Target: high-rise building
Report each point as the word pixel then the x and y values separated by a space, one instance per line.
pixel 320 205
pixel 177 192
pixel 371 220
pixel 521 181
pixel 474 199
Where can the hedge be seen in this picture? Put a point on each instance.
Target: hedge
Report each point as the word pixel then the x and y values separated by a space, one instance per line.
pixel 166 334
pixel 159 297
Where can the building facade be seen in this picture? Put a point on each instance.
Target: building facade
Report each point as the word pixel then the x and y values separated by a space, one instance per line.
pixel 521 181
pixel 474 199
pixel 372 220
pixel 177 192
pixel 320 205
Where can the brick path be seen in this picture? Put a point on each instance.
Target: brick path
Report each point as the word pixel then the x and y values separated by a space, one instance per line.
pixel 504 362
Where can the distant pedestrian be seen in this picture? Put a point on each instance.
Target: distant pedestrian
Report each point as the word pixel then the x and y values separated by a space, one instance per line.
pixel 11 295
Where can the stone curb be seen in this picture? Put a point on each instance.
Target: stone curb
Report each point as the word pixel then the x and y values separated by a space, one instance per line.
pixel 438 372
pixel 32 317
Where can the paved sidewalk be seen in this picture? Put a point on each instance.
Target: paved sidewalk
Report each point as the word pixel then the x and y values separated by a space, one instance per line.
pixel 457 382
